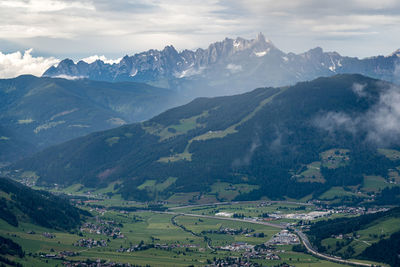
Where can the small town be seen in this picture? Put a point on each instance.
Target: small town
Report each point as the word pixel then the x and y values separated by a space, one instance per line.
pixel 230 231
pixel 102 227
pixel 284 237
pixel 89 243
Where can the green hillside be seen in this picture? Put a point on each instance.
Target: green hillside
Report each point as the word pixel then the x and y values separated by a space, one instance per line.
pixel 362 237
pixel 289 141
pixel 13 146
pixel 22 204
pixel 48 111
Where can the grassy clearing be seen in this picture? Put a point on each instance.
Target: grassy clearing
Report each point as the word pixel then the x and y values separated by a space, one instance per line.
pixel 179 198
pixel 228 191
pixel 336 192
pixel 312 174
pixel 335 158
pixel 374 184
pixel 232 129
pixel 390 153
pixel 364 238
pixel 184 126
pixel 394 176
pixel 112 140
pixel 147 184
pixel 186 155
pixel 176 157
pixel 153 186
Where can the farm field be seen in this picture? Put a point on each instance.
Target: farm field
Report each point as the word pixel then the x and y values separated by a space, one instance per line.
pixel 195 245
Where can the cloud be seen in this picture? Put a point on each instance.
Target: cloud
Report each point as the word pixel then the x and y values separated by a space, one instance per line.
pixel 334 121
pixel 93 58
pixel 234 68
pixel 381 123
pixel 396 72
pixel 245 160
pixel 358 89
pixel 122 26
pixel 15 64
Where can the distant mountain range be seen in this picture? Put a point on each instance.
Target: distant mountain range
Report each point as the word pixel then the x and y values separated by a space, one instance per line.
pixel 233 65
pixel 287 141
pixel 38 112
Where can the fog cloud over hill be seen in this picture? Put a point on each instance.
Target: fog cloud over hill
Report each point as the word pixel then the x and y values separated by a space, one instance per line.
pixel 380 124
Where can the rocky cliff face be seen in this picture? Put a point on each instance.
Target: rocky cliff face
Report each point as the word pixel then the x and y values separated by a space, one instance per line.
pixel 229 66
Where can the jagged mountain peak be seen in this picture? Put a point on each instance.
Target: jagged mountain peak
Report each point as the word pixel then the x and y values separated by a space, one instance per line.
pixel 395 53
pixel 228 66
pixel 66 62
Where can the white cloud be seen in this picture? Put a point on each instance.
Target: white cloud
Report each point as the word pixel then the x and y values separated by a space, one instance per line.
pixel 15 64
pixel 93 58
pixel 358 89
pixel 81 28
pixel 381 123
pixel 234 68
pixel 384 119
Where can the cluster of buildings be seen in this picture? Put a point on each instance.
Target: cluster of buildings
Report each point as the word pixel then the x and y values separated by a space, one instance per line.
pixel 301 216
pixel 175 245
pixel 98 210
pixel 232 261
pixel 143 246
pixel 48 235
pixel 230 231
pixel 261 255
pixel 224 214
pixel 284 237
pixel 60 255
pixel 356 210
pixel 89 243
pixel 108 228
pixel 97 263
pixel 237 246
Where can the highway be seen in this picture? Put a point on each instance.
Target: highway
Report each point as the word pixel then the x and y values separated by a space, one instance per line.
pixel 222 218
pixel 238 202
pixel 310 249
pixel 301 235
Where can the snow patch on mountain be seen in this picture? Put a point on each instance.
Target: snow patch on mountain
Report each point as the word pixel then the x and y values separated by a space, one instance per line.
pixel 133 74
pixel 262 53
pixel 70 77
pixel 191 71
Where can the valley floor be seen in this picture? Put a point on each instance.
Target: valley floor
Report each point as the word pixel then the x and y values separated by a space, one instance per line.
pixel 197 235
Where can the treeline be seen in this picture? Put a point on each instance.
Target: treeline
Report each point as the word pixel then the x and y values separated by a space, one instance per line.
pixel 386 250
pixel 43 208
pixel 269 145
pixel 325 229
pixel 9 247
pixel 388 196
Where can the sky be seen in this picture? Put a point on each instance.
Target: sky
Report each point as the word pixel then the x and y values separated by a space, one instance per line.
pixel 40 32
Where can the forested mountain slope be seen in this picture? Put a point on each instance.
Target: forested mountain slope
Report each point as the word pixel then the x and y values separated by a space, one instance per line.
pixel 289 141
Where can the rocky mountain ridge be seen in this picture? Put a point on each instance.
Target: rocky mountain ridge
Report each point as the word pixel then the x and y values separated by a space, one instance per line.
pixel 229 66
